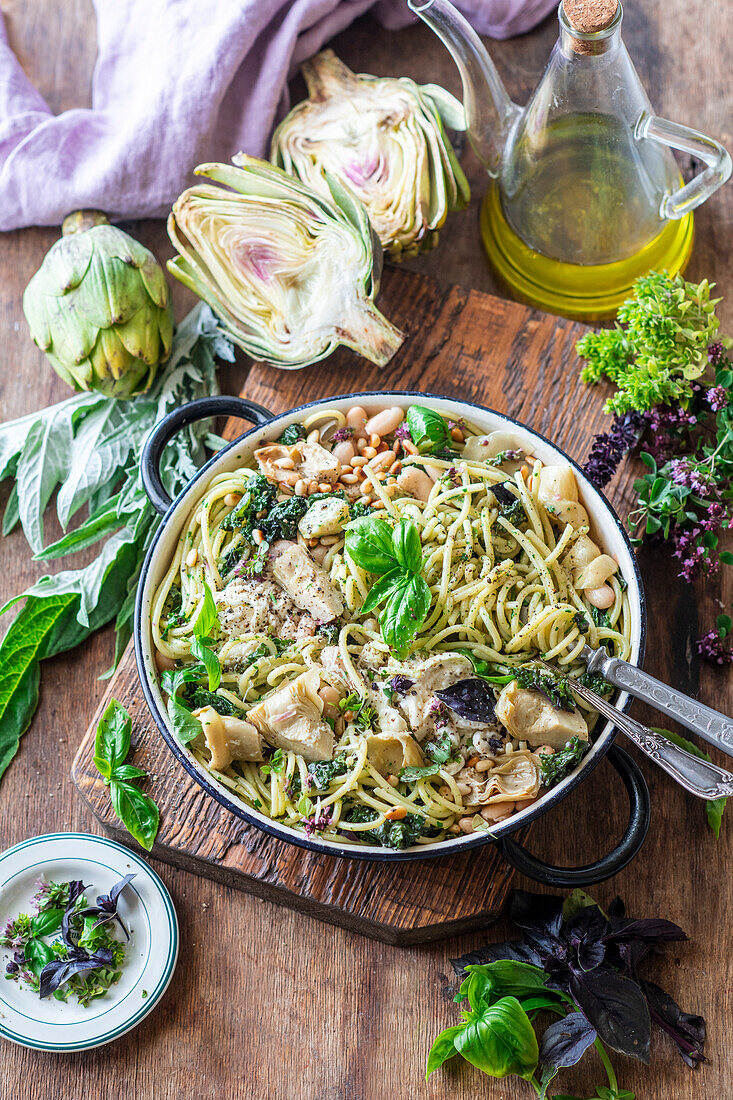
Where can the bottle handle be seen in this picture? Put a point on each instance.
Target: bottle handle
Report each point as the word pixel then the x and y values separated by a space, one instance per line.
pixel 717 161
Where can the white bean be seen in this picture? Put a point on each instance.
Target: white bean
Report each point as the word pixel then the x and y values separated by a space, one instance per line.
pixel 344 452
pixel 497 811
pixel 601 597
pixel 385 422
pixel 413 481
pixel 356 418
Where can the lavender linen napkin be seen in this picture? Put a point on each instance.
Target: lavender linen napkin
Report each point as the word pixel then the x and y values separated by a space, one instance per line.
pixel 176 83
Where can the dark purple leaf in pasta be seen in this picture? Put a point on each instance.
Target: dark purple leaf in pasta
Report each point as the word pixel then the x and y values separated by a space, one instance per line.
pixel 470 699
pixel 502 494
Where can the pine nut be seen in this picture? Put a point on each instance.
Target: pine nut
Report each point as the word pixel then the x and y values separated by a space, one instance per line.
pixel 391 490
pixel 444 791
pixel 349 479
pixel 396 468
pixel 360 475
pixel 231 499
pixel 284 463
pixel 397 446
pixel 360 445
pixel 378 504
pixel 409 447
pixel 455 829
pixel 288 490
pixel 325 487
pixel 365 498
pixel 456 435
pixel 192 557
pixel 374 440
pixel 312 543
pixel 393 781
pixel 314 436
pixel 258 536
pixel 472 762
pixel 369 452
pixel 484 765
pixel 301 487
pixel 312 487
pixel 329 540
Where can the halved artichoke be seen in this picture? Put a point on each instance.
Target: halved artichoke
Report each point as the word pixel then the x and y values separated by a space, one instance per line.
pixel 291 275
pixel 383 137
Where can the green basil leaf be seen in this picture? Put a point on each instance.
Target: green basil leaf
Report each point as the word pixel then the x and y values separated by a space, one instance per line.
pixel 47 922
pixel 500 1041
pixel 713 810
pixel 406 546
pixel 511 978
pixel 478 987
pixel 185 726
pixel 112 740
pixel 171 680
pixel 369 544
pixel 443 1048
pixel 409 775
pixel 37 954
pixel 428 430
pixel 125 772
pixel 210 662
pixel 137 812
pixel 405 611
pixel 381 590
pixel 207 618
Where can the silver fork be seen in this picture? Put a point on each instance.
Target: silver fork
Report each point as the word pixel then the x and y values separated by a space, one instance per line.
pixel 699 777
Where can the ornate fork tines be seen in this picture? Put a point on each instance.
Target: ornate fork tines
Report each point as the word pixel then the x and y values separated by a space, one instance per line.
pixel 699 777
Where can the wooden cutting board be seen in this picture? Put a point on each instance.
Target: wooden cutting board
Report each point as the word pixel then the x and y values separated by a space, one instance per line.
pixel 463 344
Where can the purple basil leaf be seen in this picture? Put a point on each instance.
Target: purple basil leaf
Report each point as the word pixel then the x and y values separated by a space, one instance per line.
pixel 565 1041
pixel 648 930
pixel 502 494
pixel 76 887
pixel 470 699
pixel 107 905
pixel 617 1009
pixel 538 913
pixel 118 888
pixel 616 908
pixel 590 954
pixel 495 952
pixel 686 1031
pixel 57 972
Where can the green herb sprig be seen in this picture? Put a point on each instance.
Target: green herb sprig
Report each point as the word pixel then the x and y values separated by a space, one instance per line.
pixel 136 810
pixel 394 554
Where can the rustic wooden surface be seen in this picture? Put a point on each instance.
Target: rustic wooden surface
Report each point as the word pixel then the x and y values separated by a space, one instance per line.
pixel 267 1004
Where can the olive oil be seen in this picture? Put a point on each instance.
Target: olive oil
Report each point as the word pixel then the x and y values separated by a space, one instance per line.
pixel 583 185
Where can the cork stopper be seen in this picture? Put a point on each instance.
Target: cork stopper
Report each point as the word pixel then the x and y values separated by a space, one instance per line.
pixel 588 17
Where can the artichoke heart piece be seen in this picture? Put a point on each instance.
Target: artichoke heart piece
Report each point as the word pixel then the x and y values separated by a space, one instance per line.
pixel 384 138
pixel 99 307
pixel 291 275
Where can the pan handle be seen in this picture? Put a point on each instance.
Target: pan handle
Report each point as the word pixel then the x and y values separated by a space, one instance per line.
pixel 606 866
pixel 163 432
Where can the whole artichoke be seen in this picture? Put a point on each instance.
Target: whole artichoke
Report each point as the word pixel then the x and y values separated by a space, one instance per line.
pixel 290 274
pixel 384 139
pixel 100 308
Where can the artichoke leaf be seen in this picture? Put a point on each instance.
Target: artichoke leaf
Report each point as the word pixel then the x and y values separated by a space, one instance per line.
pixel 450 109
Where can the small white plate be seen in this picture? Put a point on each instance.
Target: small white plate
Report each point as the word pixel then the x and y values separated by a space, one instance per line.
pixel 150 957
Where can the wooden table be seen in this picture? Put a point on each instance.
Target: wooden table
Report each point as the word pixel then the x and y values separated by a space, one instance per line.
pixel 267 1004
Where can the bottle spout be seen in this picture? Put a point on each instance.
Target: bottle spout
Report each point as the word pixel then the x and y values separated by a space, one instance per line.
pixel 488 109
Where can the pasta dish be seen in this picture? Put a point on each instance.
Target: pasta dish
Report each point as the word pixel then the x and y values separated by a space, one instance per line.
pixel 348 629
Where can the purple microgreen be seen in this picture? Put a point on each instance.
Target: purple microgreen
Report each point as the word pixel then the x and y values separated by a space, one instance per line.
pixel 59 971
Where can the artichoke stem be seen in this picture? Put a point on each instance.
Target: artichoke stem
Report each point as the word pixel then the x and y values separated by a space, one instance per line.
pixel 326 75
pixel 370 334
pixel 82 220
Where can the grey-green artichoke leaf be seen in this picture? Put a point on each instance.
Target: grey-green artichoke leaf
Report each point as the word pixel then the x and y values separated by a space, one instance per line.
pixel 99 307
pixel 384 139
pixel 291 273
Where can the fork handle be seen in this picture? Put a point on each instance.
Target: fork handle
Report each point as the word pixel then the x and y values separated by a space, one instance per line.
pixel 699 777
pixel 707 723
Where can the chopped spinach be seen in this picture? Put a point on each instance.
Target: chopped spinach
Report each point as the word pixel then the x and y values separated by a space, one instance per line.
pixel 410 775
pixel 357 510
pixel 259 497
pixel 195 697
pixel 599 617
pixel 281 522
pixel 554 688
pixel 292 434
pixel 391 834
pixel 596 682
pixel 555 766
pixel 581 622
pixel 325 771
pixel 232 558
